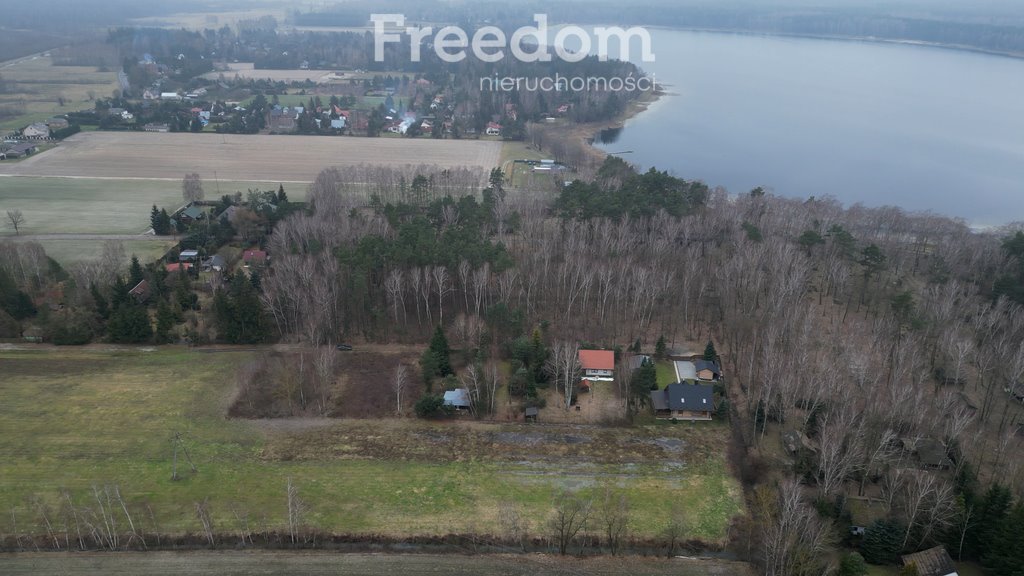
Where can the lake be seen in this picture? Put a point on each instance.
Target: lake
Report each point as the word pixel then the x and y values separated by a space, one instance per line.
pixel 918 127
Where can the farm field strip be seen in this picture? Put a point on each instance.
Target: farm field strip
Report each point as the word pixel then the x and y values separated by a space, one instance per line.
pixel 243 157
pixel 73 419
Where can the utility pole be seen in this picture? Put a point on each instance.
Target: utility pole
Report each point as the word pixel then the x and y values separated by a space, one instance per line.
pixel 179 444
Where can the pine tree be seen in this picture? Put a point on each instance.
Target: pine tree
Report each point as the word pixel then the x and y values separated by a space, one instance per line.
pixel 442 353
pixel 882 542
pixel 710 354
pixel 154 220
pixel 164 322
pixel 165 223
pixel 101 303
pixel 282 198
pixel 130 325
pixel 135 274
pixel 660 349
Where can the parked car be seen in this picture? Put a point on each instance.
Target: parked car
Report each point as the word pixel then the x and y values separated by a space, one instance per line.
pixel 344 347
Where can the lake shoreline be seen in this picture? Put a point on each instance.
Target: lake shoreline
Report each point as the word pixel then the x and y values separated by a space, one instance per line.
pixel 844 38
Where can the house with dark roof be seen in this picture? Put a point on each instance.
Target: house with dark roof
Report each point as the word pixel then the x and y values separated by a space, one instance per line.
pixel 684 402
pixel 636 361
pixel 931 562
pixel 191 214
pixel 140 292
pixel 215 263
pixel 598 364
pixel 707 370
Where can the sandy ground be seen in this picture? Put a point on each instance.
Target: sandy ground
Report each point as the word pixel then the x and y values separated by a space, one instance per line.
pixel 242 157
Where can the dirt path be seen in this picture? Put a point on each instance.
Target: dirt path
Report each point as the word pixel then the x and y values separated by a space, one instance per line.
pixel 295 563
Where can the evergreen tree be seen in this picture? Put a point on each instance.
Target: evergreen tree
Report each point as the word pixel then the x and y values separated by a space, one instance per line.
pixel 852 565
pixel 165 223
pixel 164 322
pixel 710 354
pixel 989 514
pixel 660 349
pixel 442 353
pixel 282 198
pixel 882 542
pixel 101 303
pixel 135 274
pixel 1006 554
pixel 238 313
pixel 644 380
pixel 129 325
pixel 154 221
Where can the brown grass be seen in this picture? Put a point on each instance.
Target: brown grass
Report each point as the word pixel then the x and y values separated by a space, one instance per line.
pixel 242 157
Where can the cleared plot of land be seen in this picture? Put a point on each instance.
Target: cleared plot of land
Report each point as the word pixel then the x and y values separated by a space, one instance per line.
pixel 73 419
pixel 68 252
pixel 260 562
pixel 104 206
pixel 242 157
pixel 39 87
pixel 247 71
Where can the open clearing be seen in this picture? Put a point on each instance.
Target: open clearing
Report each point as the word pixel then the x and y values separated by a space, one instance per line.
pixel 263 562
pixel 102 206
pixel 40 85
pixel 248 71
pixel 242 157
pixel 76 418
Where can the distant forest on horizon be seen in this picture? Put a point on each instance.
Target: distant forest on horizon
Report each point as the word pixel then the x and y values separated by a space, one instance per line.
pixel 991 26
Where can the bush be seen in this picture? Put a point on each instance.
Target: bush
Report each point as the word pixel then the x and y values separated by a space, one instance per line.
pixel 432 406
pixel 852 564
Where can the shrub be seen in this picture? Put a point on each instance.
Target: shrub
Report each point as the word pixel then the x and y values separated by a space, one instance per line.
pixel 432 406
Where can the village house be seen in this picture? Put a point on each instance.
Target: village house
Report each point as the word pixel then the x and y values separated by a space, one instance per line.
pixel 493 129
pixel 684 402
pixel 36 131
pixel 188 256
pixel 215 263
pixel 191 214
pixel 598 365
pixel 57 123
pixel 254 257
pixel 178 266
pixel 140 292
pixel 458 399
pixel 707 370
pixel 18 151
pixel 931 562
pixel 157 127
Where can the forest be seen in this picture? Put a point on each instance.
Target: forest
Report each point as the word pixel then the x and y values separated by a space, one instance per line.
pixel 868 331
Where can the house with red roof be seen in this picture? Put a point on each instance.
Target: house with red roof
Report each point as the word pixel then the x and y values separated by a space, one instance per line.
pixel 598 364
pixel 254 257
pixel 493 129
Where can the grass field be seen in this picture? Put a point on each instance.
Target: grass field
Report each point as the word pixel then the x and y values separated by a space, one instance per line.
pixel 100 206
pixel 666 373
pixel 40 84
pixel 242 157
pixel 315 563
pixel 72 419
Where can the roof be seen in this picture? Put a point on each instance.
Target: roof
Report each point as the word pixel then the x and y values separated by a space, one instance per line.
pixel 659 399
pixel 931 452
pixel 597 359
pixel 458 398
pixel 707 365
pixel 189 254
pixel 532 411
pixel 140 289
pixel 696 397
pixel 686 370
pixel 215 261
pixel 932 562
pixel 176 267
pixel 254 255
pixel 193 212
pixel 634 362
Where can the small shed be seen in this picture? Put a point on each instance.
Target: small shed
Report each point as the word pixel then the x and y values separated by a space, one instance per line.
pixel 188 256
pixel 531 413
